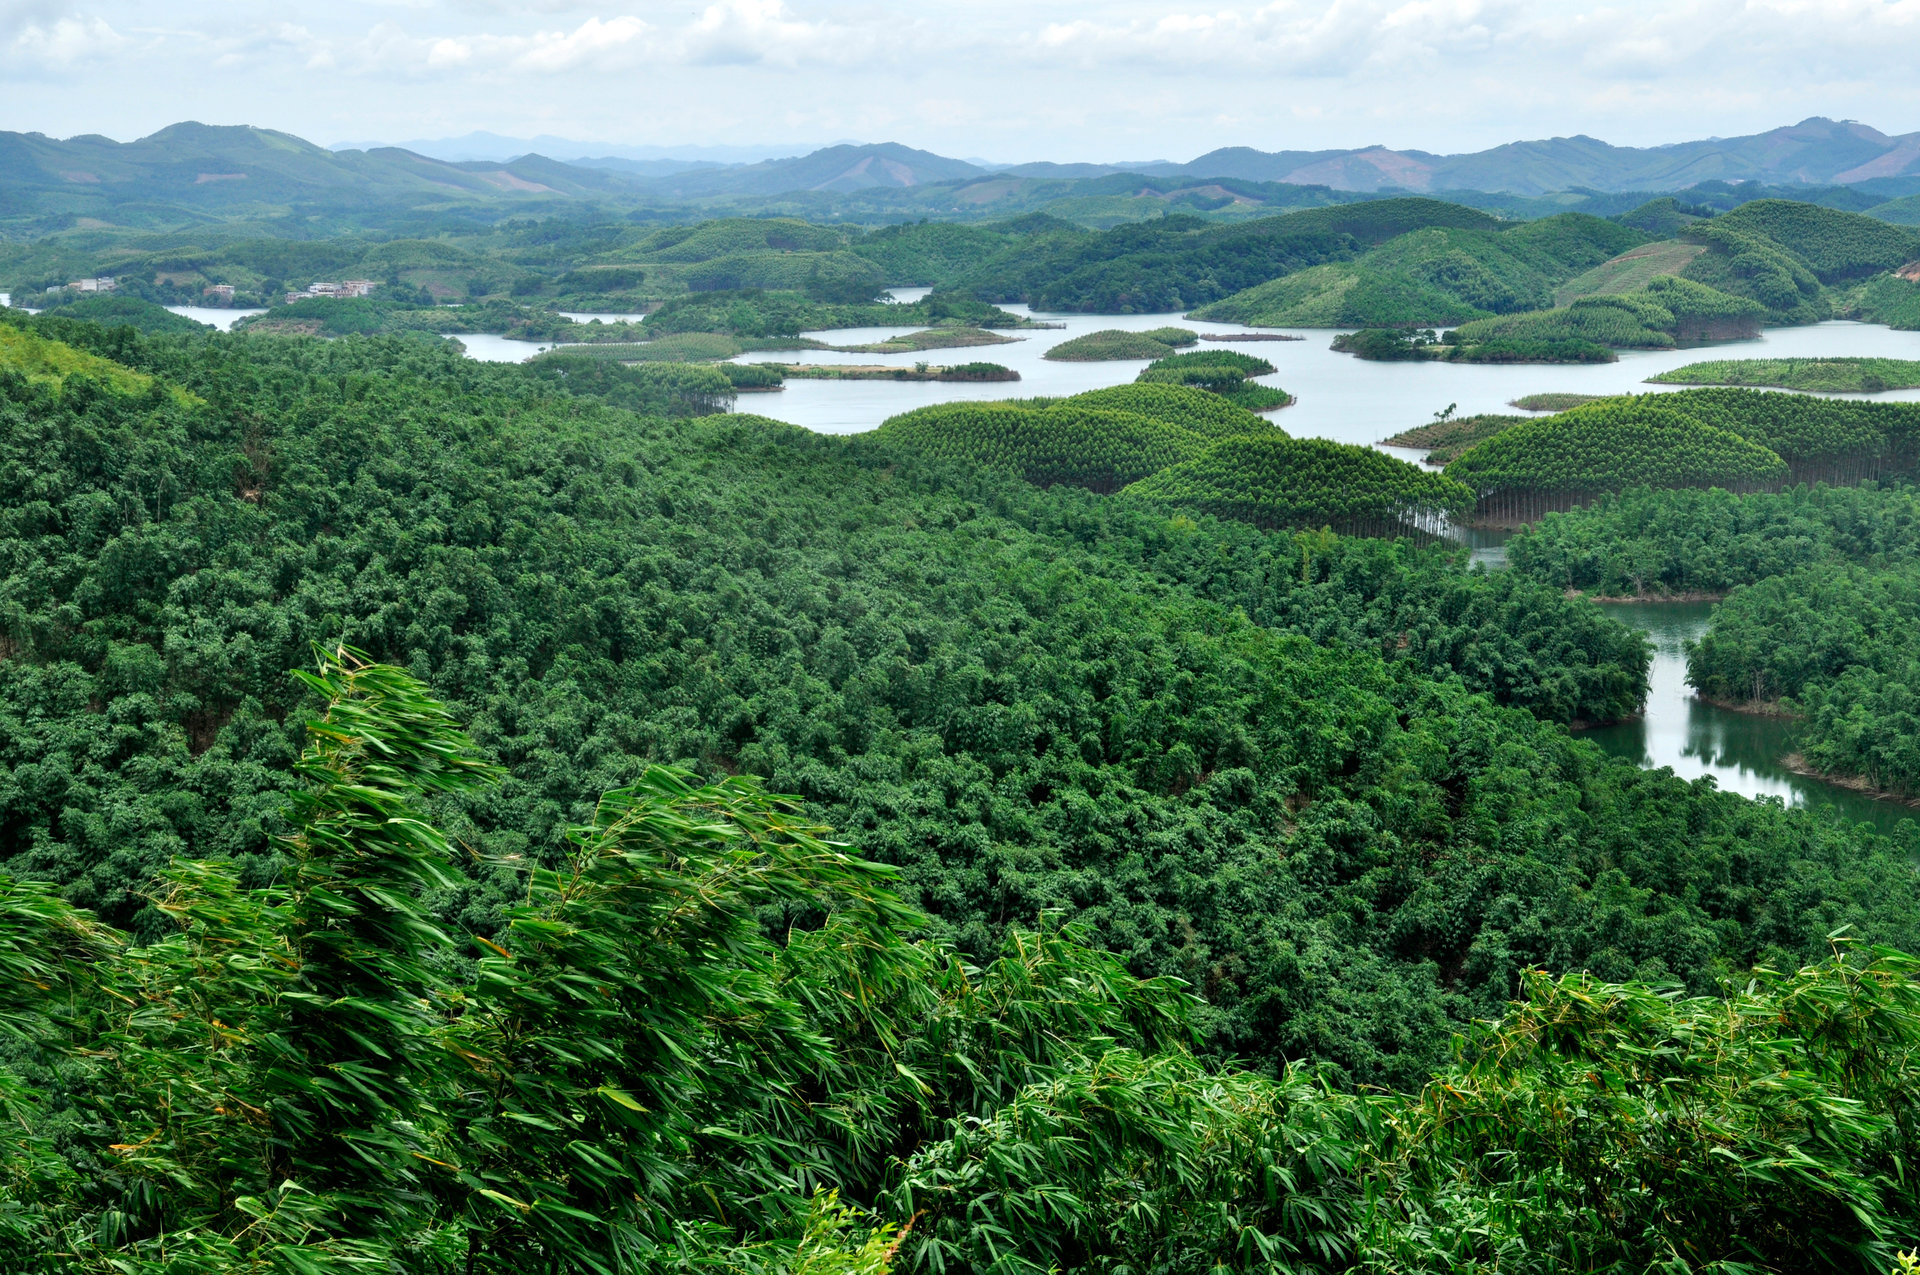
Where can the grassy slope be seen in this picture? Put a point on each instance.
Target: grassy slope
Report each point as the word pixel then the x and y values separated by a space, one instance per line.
pixel 1630 271
pixel 1433 275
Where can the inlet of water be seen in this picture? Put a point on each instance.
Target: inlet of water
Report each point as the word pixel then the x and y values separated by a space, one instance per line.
pixel 1742 752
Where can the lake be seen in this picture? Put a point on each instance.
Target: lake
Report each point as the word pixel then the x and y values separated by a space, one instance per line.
pixel 1741 751
pixel 221 318
pixel 1353 401
pixel 1340 397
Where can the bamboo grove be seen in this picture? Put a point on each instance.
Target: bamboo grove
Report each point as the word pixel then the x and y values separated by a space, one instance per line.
pixel 397 875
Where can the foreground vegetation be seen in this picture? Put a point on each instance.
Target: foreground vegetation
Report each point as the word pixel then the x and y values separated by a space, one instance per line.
pixel 480 946
pixel 1011 1115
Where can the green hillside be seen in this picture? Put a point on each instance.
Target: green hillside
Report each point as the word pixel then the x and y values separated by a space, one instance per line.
pixel 1630 271
pixel 1890 299
pixel 1901 212
pixel 39 359
pixel 1101 440
pixel 1341 296
pixel 1781 254
pixel 1541 464
pixel 1667 310
pixel 1433 277
pixel 1837 246
pixel 110 310
pixel 510 819
pixel 1786 255
pixel 1664 216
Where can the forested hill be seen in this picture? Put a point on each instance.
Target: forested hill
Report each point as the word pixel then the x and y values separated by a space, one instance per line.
pixel 1325 783
pixel 1027 699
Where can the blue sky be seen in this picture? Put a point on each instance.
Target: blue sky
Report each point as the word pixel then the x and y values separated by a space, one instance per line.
pixel 1049 79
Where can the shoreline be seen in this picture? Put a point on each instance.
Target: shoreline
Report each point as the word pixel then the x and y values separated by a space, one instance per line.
pixel 1748 708
pixel 883 372
pixel 1691 595
pixel 1852 783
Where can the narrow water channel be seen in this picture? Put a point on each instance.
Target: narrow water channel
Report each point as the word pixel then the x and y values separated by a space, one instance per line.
pixel 1740 750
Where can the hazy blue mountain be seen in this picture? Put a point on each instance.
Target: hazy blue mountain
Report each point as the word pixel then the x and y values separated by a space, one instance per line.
pixel 201 169
pixel 1813 152
pixel 193 171
pixel 836 168
pixel 483 145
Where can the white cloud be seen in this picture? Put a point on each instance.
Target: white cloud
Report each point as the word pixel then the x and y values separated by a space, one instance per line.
pixel 1013 78
pixel 595 41
pixel 63 42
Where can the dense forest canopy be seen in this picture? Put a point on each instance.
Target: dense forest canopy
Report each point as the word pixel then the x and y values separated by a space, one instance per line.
pixel 1188 861
pixel 1817 622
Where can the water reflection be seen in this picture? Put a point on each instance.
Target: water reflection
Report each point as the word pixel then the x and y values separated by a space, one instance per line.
pixel 1742 752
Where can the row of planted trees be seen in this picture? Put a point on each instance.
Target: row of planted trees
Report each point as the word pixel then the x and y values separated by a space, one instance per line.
pixel 707 1039
pixel 1737 439
pixel 1181 447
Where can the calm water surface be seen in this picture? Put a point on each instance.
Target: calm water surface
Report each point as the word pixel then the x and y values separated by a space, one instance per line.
pixel 1340 397
pixel 1740 751
pixel 219 318
pixel 1351 401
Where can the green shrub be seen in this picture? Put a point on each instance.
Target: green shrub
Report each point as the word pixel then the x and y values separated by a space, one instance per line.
pixel 1517 350
pixel 1444 440
pixel 1825 376
pixel 979 372
pixel 1208 376
pixel 1554 402
pixel 1245 364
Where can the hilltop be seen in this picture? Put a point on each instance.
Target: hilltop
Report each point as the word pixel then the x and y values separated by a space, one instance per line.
pixel 189 173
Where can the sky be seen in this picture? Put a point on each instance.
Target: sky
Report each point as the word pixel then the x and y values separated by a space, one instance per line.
pixel 1008 80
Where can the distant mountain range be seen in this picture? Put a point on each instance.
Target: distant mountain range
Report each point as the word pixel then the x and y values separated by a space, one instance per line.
pixel 194 171
pixel 1814 152
pixel 497 148
pixel 216 168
